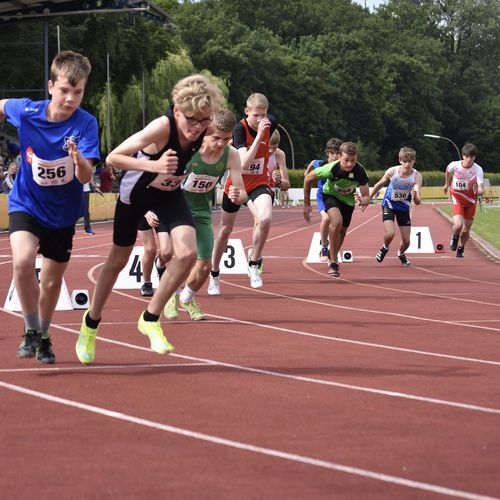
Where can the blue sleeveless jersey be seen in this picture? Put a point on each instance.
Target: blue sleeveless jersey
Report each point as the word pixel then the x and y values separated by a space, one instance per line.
pixel 45 184
pixel 397 196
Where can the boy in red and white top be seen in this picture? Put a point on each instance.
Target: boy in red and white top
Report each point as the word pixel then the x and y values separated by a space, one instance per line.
pixel 464 183
pixel 251 138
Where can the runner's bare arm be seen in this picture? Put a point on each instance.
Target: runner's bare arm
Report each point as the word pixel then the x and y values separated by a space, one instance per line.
pixel 157 132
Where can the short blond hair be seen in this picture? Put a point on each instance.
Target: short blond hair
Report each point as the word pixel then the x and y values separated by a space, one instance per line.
pixel 195 94
pixel 275 138
pixel 257 100
pixel 71 65
pixel 224 120
pixel 407 154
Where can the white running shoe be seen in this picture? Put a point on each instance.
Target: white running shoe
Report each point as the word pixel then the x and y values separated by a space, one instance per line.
pixel 213 286
pixel 255 277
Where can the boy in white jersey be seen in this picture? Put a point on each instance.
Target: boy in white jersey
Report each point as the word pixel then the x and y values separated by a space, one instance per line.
pixel 404 188
pixel 464 183
pixel 59 144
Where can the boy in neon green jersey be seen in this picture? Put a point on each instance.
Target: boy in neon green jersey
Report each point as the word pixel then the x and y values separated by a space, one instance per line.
pixel 339 195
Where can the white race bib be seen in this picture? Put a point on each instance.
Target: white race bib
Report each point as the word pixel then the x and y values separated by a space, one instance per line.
pixel 198 183
pixel 399 195
pixel 459 185
pixel 50 173
pixel 256 167
pixel 167 182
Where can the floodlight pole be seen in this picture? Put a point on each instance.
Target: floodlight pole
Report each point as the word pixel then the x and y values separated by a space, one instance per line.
pixel 46 57
pixel 432 136
pixel 291 144
pixel 108 105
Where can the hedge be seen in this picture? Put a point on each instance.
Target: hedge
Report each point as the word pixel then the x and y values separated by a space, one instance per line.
pixel 430 178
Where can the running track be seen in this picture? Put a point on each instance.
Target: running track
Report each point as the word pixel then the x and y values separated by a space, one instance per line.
pixel 382 384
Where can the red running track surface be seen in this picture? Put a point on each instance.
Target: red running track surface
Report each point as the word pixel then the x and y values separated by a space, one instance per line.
pixel 381 384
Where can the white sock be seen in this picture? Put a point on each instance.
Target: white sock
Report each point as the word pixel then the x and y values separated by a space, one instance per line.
pixel 187 295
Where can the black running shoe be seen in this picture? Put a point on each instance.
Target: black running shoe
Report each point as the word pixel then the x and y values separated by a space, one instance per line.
pixel 404 260
pixel 381 254
pixel 159 268
pixel 31 340
pixel 460 252
pixel 324 254
pixel 147 289
pixel 454 242
pixel 334 270
pixel 44 352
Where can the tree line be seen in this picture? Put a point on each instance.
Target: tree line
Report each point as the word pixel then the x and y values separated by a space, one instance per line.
pixel 381 79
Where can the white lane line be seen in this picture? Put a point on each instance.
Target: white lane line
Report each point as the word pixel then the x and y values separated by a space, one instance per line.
pixel 226 319
pixel 311 380
pixel 365 473
pixel 404 290
pixel 478 320
pixel 360 309
pixel 284 330
pixel 101 367
pixel 370 390
pixel 359 342
pixel 458 277
pixel 170 322
pixel 324 337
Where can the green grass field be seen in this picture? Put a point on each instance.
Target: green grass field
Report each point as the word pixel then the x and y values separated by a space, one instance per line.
pixel 486 224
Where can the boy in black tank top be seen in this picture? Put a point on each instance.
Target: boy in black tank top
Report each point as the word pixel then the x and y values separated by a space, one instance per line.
pixel 154 160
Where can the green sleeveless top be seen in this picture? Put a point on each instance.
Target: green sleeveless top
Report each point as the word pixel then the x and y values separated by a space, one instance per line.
pixel 201 182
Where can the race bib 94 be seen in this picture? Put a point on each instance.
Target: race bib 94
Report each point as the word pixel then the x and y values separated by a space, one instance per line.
pixel 256 167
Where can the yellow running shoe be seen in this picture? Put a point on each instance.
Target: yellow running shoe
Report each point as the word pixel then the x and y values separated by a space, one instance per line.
pixel 153 330
pixel 85 345
pixel 192 307
pixel 171 310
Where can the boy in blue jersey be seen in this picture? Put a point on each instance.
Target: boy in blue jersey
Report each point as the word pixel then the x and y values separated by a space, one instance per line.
pixel 332 154
pixel 403 189
pixel 59 143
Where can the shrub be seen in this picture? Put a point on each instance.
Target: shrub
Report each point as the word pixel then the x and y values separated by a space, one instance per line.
pixel 430 177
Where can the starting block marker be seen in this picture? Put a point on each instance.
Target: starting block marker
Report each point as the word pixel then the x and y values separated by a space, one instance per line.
pixel 233 260
pixel 12 302
pixel 315 247
pixel 130 276
pixel 421 240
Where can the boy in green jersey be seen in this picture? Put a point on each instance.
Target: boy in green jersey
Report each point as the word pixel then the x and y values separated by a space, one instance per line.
pixel 207 166
pixel 342 178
